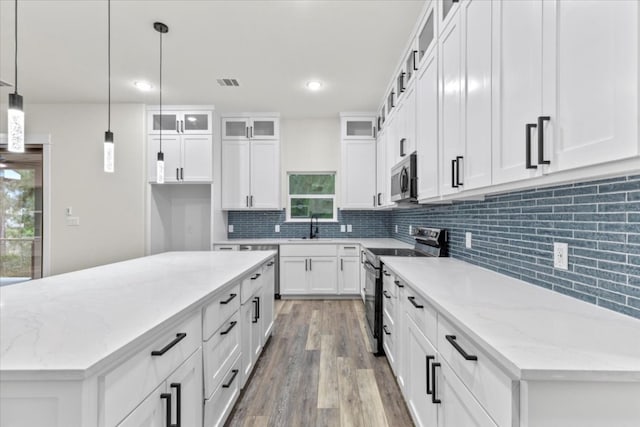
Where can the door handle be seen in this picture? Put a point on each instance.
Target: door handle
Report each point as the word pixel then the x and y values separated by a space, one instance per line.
pixel 458 158
pixel 231 326
pixel 246 201
pixel 386 331
pixel 454 343
pixel 402 142
pixel 429 358
pixel 179 337
pixel 305 265
pixel 397 282
pixel 310 265
pixel 528 128
pixel 182 126
pixel 177 174
pixel 412 300
pixel 341 264
pixel 415 53
pixel 167 397
pixel 178 404
pixel 453 174
pixel 233 377
pixel 251 201
pixel 434 399
pixel 255 310
pixel 541 160
pixel 246 131
pixel 386 294
pixel 181 174
pixel 228 300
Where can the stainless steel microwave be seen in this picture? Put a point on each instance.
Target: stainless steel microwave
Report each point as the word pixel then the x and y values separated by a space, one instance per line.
pixel 404 180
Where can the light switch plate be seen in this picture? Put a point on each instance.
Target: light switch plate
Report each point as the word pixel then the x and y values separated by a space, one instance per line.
pixel 349 228
pixel 230 228
pixel 277 228
pixel 343 228
pixel 561 255
pixel 467 237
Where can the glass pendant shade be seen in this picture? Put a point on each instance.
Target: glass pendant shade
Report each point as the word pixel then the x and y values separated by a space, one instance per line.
pixel 109 152
pixel 160 168
pixel 15 124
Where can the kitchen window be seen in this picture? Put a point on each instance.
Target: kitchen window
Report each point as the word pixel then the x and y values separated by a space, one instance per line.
pixel 312 193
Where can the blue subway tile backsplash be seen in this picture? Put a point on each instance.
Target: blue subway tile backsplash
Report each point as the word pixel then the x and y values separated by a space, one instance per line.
pixel 514 233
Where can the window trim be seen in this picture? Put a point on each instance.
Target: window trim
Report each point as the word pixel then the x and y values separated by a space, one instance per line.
pixel 333 196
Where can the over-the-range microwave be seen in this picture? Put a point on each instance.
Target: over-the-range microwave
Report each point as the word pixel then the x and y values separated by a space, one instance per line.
pixel 404 180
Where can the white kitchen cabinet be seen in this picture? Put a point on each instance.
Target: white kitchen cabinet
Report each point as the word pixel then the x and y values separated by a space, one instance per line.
pixel 150 413
pixel 308 269
pixel 349 275
pixel 250 174
pixel 267 309
pixel 358 126
pixel 247 127
pixel 322 275
pixel 177 122
pixel 293 275
pixel 421 354
pixel 383 173
pixel 185 386
pixel 358 179
pixel 447 11
pixel 427 127
pixel 187 158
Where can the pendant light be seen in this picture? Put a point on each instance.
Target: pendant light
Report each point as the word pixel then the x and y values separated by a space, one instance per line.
pixel 109 148
pixel 15 123
pixel 162 29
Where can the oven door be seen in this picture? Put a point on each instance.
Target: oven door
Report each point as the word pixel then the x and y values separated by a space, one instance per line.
pixel 371 295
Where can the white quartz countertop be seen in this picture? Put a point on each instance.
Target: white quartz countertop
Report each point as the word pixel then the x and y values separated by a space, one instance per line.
pixel 366 242
pixel 72 324
pixel 534 333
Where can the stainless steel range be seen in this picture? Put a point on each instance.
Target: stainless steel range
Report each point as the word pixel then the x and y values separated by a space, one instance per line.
pixel 429 242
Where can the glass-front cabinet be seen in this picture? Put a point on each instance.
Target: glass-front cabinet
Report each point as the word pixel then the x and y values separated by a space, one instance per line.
pixel 427 34
pixel 250 128
pixel 357 127
pixel 179 122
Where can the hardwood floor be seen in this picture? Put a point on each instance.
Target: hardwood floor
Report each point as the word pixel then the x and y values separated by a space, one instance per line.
pixel 317 370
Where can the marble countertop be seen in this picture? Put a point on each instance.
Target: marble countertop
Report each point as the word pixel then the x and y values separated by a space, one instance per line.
pixel 73 324
pixel 366 242
pixel 534 333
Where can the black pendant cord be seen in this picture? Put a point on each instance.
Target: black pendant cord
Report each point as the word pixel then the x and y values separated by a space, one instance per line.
pixel 109 63
pixel 16 51
pixel 161 91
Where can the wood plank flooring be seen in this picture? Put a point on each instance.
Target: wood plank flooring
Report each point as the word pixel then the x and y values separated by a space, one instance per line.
pixel 317 370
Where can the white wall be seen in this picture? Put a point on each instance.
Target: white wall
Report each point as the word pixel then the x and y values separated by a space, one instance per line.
pixel 110 206
pixel 309 145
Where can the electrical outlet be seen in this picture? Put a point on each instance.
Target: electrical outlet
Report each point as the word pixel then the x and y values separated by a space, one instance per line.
pixel 410 229
pixel 561 255
pixel 230 228
pixel 396 228
pixel 277 228
pixel 343 228
pixel 73 221
pixel 467 237
pixel 349 228
pixel 68 211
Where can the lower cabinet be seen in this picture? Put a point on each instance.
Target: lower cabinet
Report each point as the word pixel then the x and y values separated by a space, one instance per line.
pixel 310 275
pixel 349 275
pixel 420 356
pixel 220 404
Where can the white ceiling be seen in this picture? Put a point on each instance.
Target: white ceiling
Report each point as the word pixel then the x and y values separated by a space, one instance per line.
pixel 272 47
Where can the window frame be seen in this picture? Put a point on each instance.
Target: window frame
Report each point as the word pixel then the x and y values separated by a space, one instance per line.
pixel 333 196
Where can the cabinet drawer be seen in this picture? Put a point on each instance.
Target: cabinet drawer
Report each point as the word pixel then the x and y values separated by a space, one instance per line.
pixel 388 279
pixel 423 313
pixel 349 250
pixel 308 250
pixel 217 408
pixel 217 311
pixel 484 379
pixel 389 340
pixel 250 284
pixel 220 351
pixel 225 247
pixel 133 380
pixel 389 302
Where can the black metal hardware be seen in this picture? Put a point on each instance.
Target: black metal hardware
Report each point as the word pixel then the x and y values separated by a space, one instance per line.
pixel 177 125
pixel 231 325
pixel 453 174
pixel 404 180
pixel 182 126
pixel 270 264
pixel 177 174
pixel 258 306
pixel 379 196
pixel 182 174
pixel 349 247
pixel 374 132
pixel 251 201
pixel 246 131
pixel 541 160
pixel 454 343
pixel 256 276
pixel 246 201
pixel 428 358
pixel 528 128
pixel 386 294
pixel 434 399
pixel 341 264
pixel 402 142
pixel 178 403
pixel 397 282
pixel 179 337
pixel 250 131
pixel 233 377
pixel 386 273
pixel 167 397
pixel 305 265
pixel 228 300
pixel 415 54
pixel 310 264
pixel 458 158
pixel 374 200
pixel 412 300
pixel 384 328
pixel 255 310
pixel 454 1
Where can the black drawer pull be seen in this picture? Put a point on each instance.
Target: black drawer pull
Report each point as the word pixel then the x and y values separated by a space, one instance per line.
pixel 434 399
pixel 541 160
pixel 528 127
pixel 454 343
pixel 428 358
pixel 412 300
pixel 231 325
pixel 228 300
pixel 386 294
pixel 386 273
pixel 233 377
pixel 256 276
pixel 179 337
pixel 270 264
pixel 453 174
pixel 386 331
pixel 397 282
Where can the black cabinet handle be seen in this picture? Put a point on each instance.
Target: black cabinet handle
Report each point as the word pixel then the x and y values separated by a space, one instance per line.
pixel 434 399
pixel 386 294
pixel 528 127
pixel 233 377
pixel 386 331
pixel 167 397
pixel 412 300
pixel 271 263
pixel 427 360
pixel 178 404
pixel 415 60
pixel 228 300
pixel 256 276
pixel 250 131
pixel 305 265
pixel 246 131
pixel 397 282
pixel 179 337
pixel 379 196
pixel 402 143
pixel 177 125
pixel 386 273
pixel 541 160
pixel 251 201
pixel 231 326
pixel 374 200
pixel 255 311
pixel 374 132
pixel 258 306
pixel 341 264
pixel 453 174
pixel 182 174
pixel 310 264
pixel 246 201
pixel 458 158
pixel 177 174
pixel 454 343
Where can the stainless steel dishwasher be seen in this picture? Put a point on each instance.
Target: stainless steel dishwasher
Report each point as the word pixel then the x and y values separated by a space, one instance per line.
pixel 268 248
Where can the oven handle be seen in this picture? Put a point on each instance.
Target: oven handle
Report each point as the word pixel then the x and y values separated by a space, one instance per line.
pixel 371 268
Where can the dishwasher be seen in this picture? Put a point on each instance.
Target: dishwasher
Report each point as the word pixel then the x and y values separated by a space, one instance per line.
pixel 268 248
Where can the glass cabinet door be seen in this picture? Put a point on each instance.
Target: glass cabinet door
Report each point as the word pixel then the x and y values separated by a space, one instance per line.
pixel 427 35
pixel 448 10
pixel 359 128
pixel 264 128
pixel 196 123
pixel 168 122
pixel 235 128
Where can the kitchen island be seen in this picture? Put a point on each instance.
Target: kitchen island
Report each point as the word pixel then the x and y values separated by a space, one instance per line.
pixel 86 348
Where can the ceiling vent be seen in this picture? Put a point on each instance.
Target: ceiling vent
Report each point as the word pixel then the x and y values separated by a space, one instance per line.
pixel 228 82
pixel 3 84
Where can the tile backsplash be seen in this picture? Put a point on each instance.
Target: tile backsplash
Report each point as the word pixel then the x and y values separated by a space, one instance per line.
pixel 514 234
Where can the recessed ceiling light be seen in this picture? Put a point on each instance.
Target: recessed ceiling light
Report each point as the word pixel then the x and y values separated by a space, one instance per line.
pixel 314 85
pixel 143 86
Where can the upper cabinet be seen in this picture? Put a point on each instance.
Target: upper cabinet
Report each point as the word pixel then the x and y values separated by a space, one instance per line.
pixel 174 122
pixel 447 11
pixel 358 127
pixel 246 127
pixel 358 173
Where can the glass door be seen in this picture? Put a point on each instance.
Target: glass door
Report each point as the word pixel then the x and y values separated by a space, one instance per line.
pixel 20 215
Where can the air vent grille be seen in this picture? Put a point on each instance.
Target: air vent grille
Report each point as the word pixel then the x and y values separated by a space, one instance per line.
pixel 228 82
pixel 3 84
